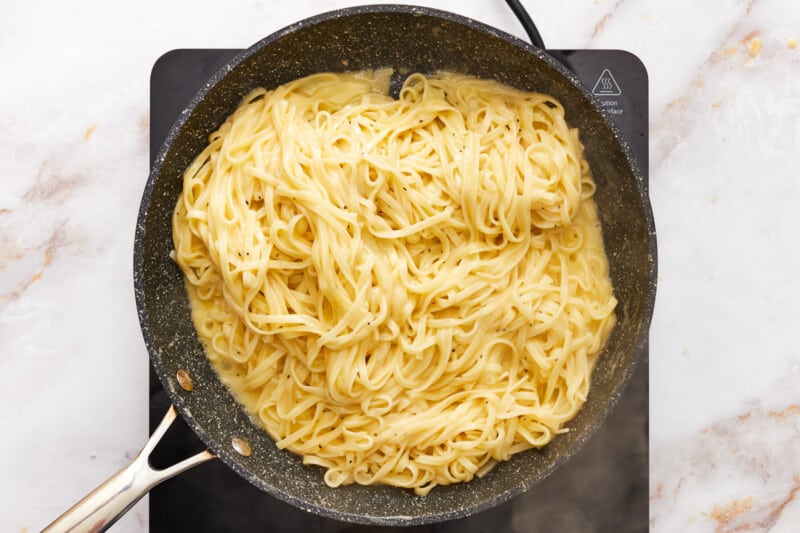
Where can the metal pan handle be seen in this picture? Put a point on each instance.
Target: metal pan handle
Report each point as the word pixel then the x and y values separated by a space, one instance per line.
pixel 99 509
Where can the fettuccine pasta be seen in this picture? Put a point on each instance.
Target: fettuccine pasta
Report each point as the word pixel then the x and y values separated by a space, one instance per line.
pixel 403 291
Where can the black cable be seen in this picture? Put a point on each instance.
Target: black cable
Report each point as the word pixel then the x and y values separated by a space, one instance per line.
pixel 527 22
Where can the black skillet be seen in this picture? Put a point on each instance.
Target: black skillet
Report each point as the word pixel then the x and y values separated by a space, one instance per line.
pixel 408 39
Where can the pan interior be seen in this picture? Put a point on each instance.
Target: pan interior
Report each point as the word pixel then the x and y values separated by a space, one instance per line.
pixel 408 40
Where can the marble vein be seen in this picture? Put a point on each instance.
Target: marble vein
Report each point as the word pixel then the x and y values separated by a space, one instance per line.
pixel 600 25
pixel 741 474
pixel 680 114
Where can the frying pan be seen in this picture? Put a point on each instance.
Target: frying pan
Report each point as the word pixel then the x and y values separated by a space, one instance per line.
pixel 408 39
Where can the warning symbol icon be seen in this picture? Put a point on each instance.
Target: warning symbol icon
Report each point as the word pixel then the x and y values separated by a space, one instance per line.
pixel 606 85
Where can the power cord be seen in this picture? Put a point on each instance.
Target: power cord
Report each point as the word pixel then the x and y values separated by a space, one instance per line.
pixel 527 23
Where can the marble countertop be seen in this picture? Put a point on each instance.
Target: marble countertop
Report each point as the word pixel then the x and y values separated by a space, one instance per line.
pixel 724 183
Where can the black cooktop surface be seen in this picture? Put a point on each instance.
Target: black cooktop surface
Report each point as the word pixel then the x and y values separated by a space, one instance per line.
pixel 603 488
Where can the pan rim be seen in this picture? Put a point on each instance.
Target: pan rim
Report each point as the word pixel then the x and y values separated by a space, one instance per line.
pixel 223 452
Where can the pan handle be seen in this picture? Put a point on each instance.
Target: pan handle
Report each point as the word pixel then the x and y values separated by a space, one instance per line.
pixel 98 510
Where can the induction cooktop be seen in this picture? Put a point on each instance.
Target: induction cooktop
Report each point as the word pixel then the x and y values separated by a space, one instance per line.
pixel 603 488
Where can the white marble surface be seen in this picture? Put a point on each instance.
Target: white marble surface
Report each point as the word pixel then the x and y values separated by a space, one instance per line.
pixel 725 187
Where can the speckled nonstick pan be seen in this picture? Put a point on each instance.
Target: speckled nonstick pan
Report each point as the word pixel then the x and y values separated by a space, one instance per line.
pixel 408 39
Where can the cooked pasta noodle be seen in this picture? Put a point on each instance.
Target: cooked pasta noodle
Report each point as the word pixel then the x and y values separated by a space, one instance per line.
pixel 403 291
